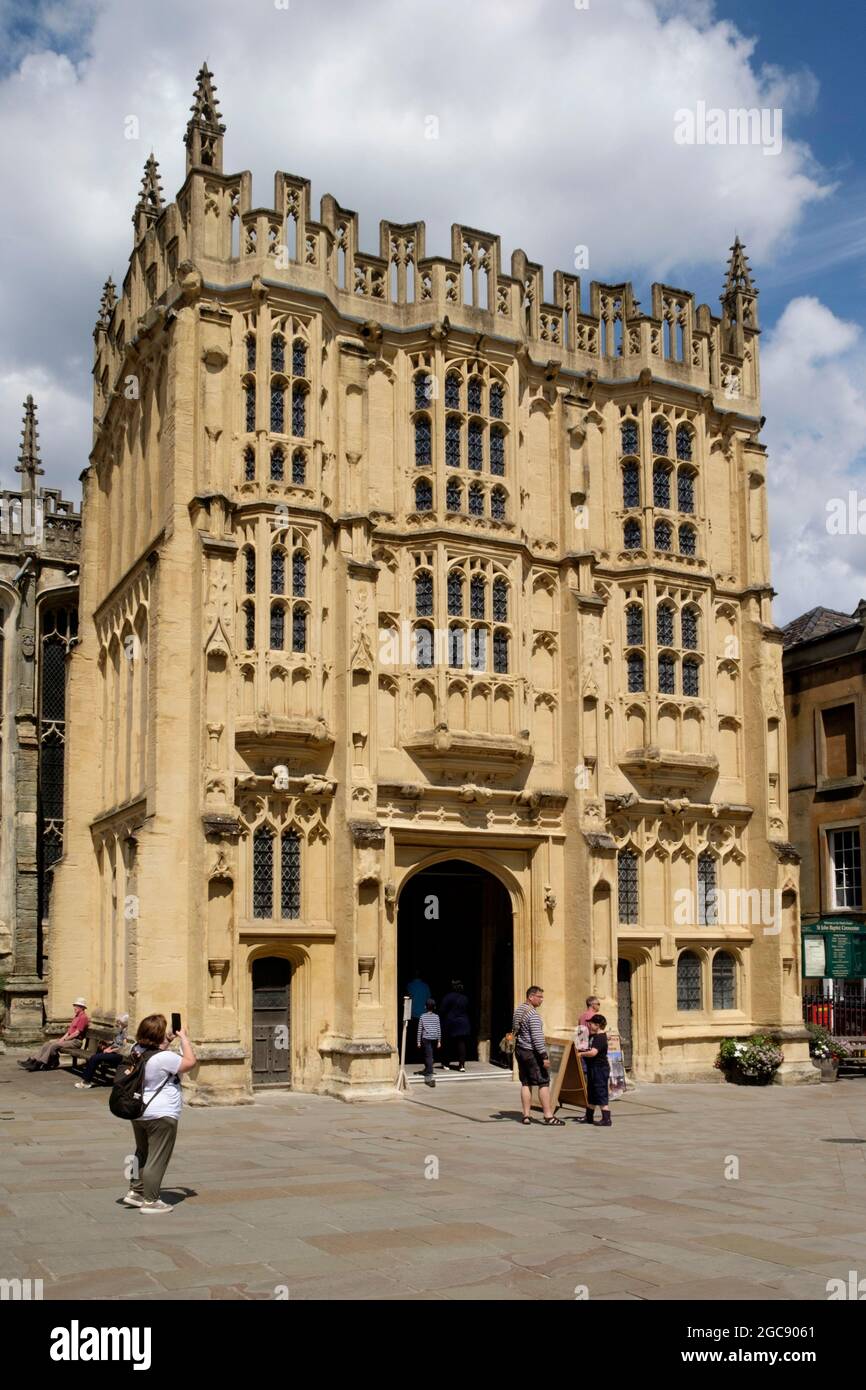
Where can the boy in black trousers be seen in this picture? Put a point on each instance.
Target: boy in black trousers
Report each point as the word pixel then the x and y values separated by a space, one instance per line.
pixel 597 1071
pixel 429 1034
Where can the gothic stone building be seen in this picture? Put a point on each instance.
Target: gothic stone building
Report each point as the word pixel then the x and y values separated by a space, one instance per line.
pixel 39 537
pixel 425 627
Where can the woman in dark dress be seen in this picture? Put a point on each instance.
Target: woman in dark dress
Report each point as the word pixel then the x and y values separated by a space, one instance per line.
pixel 454 1015
pixel 597 1071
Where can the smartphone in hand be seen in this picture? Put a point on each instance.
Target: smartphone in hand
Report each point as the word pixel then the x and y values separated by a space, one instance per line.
pixel 175 1023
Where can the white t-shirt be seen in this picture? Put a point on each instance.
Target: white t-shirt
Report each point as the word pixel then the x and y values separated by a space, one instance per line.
pixel 169 1103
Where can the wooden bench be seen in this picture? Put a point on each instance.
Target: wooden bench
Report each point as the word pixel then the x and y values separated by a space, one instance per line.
pixel 855 1065
pixel 97 1033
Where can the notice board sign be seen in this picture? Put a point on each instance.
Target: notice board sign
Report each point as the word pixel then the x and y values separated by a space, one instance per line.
pixel 834 948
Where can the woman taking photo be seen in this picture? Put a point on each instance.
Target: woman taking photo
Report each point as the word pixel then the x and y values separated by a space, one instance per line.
pixel 156 1131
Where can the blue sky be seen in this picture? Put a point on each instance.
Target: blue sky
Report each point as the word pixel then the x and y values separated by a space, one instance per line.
pixel 556 131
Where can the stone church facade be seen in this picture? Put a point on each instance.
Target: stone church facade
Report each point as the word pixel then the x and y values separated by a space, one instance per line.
pixel 426 624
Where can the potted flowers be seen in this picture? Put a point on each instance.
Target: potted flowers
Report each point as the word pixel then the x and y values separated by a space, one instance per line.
pixel 826 1051
pixel 750 1061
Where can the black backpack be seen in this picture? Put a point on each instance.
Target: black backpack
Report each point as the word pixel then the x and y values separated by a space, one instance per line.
pixel 126 1099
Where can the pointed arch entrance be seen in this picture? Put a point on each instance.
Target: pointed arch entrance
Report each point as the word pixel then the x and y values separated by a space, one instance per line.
pixel 455 922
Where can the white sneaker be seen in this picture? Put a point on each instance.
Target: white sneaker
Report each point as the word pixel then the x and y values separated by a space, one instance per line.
pixel 154 1206
pixel 133 1199
pixel 84 1086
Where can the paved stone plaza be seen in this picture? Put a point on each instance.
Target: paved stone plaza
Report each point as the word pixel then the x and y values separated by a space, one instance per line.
pixel 330 1201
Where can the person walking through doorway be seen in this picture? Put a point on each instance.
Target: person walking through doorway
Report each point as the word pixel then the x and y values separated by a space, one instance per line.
pixel 429 1036
pixel 533 1060
pixel 454 1014
pixel 156 1132
pixel 597 1072
pixel 419 992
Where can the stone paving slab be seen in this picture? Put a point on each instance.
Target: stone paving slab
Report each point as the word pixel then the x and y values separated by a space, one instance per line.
pixel 333 1202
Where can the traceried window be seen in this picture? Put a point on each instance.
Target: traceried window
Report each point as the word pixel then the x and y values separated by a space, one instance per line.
pixel 452 441
pixel 59 628
pixel 455 646
pixel 263 872
pixel 665 625
pixel 629 437
pixel 423 390
pixel 278 353
pixel 299 357
pixel 477 597
pixel 497 401
pixel 724 981
pixel 661 486
pixel 452 391
pixel 689 627
pixel 453 495
pixel 686 491
pixel 424 594
pixel 500 601
pixel 473 395
pixel 423 495
pixel 627 887
pixel 684 443
pixel 278 408
pixel 455 594
pixel 500 652
pixel 636 676
pixel 250 625
pixel 250 342
pixel 249 464
pixel 250 406
pixel 476 446
pixel 660 436
pixel 708 911
pixel 423 647
pixel 497 504
pixel 497 451
pixel 290 875
pixel 689 983
pixel 423 442
pixel 278 465
pixel 630 485
pixel 476 500
pixel 278 571
pixel 631 535
pixel 299 574
pixel 249 570
pixel 691 677
pixel 299 628
pixel 478 649
pixel 662 535
pixel 667 674
pixel 634 625
pixel 687 540
pixel 846 870
pixel 299 468
pixel 299 411
pixel 278 627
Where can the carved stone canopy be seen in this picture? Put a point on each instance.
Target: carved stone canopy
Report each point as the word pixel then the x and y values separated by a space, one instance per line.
pixel 367 834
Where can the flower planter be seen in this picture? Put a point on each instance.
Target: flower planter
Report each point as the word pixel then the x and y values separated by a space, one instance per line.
pixel 829 1069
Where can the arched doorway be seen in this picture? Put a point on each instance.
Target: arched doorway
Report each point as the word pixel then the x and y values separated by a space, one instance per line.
pixel 454 922
pixel 271 979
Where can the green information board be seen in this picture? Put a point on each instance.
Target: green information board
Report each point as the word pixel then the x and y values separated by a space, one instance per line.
pixel 834 948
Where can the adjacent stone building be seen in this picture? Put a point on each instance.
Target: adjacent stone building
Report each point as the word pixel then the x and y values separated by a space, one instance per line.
pixel 426 627
pixel 39 540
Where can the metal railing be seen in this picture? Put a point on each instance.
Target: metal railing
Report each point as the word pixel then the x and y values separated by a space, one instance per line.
pixel 844 1018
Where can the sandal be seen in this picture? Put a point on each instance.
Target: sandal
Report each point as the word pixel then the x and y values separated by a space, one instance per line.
pixel 526 1120
pixel 554 1121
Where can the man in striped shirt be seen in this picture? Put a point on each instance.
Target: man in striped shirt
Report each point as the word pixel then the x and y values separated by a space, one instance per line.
pixel 533 1061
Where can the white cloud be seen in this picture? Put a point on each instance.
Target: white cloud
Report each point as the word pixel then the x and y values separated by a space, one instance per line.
pixel 813 382
pixel 556 129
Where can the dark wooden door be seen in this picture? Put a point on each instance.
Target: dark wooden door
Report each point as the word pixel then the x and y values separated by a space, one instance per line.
pixel 272 1022
pixel 623 1000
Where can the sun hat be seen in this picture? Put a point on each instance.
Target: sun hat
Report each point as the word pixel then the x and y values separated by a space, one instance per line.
pixel 79 1001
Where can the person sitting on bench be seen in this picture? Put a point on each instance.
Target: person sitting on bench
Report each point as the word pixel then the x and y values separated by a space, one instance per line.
pixel 72 1041
pixel 108 1057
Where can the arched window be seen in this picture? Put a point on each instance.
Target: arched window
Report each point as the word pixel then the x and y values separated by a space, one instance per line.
pixel 299 357
pixel 452 391
pixel 708 911
pixel 473 395
pixel 686 491
pixel 278 408
pixel 290 874
pixel 452 441
pixel 500 601
pixel 278 353
pixel 250 407
pixel 497 401
pixel 634 625
pixel 691 677
pixel 453 495
pixel 250 625
pixel 299 574
pixel 500 652
pixel 278 571
pixel 423 647
pixel 249 570
pixel 423 495
pixel 684 442
pixel 689 625
pixel 631 485
pixel 478 649
pixel 423 455
pixel 688 540
pixel 423 390
pixel 724 981
pixel 299 411
pixel 662 535
pixel 299 628
pixel 423 594
pixel 636 676
pixel 278 460
pixel 688 982
pixel 667 674
pixel 476 500
pixel 627 887
pixel 250 341
pixel 278 627
pixel 665 625
pixel 497 504
pixel 263 872
pixel 631 535
pixel 628 437
pixel 476 446
pixel 455 594
pixel 249 464
pixel 661 486
pixel 455 646
pixel 497 451
pixel 660 436
pixel 299 468
pixel 477 597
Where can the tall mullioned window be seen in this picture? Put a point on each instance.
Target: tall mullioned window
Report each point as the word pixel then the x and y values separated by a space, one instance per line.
pixel 627 887
pixel 708 912
pixel 689 997
pixel 59 628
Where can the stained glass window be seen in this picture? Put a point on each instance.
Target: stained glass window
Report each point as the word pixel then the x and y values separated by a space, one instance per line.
pixel 473 395
pixel 500 601
pixel 477 597
pixel 452 391
pixel 278 462
pixel 424 594
pixel 661 486
pixel 423 455
pixel 453 495
pixel 263 872
pixel 278 353
pixel 684 442
pixel 455 594
pixel 627 887
pixel 631 535
pixel 299 468
pixel 476 500
pixel 497 504
pixel 724 981
pixel 631 485
pixel 299 357
pixel 691 678
pixel 497 451
pixel 423 496
pixel 665 625
pixel 686 491
pixel 500 653
pixel 636 679
pixel 667 674
pixel 660 437
pixel 688 540
pixel 708 913
pixel 290 874
pixel 249 570
pixel 688 982
pixel 278 627
pixel 634 625
pixel 476 446
pixel 278 409
pixel 299 629
pixel 497 401
pixel 299 412
pixel 628 437
pixel 278 571
pixel 452 441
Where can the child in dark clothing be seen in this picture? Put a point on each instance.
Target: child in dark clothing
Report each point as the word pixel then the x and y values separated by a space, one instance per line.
pixel 597 1071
